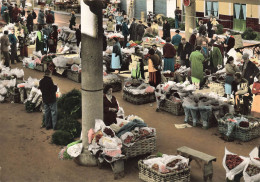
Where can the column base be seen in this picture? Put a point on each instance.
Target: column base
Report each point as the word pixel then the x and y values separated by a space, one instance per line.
pixel 86 159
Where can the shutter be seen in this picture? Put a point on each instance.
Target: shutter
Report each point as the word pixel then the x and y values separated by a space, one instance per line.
pixel 140 5
pixel 160 7
pixel 124 5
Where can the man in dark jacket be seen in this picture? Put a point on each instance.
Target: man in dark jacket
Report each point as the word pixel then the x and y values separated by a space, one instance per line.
pixel 184 51
pixel 125 32
pixel 5 48
pixel 132 30
pixel 49 90
pixel 16 12
pixel 202 27
pixel 78 35
pixel 34 14
pixel 41 17
pixel 230 41
pixel 49 18
pixel 249 69
pixel 10 8
pixel 140 31
pixel 13 41
pixel 29 24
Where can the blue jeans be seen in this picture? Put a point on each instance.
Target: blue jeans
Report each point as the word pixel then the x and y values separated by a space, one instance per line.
pixel 50 115
pixel 176 23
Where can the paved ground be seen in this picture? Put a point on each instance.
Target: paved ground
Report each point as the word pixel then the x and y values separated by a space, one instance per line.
pixel 28 156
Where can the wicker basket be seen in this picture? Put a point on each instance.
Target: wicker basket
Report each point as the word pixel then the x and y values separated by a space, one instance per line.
pixel 174 108
pixel 74 76
pixel 138 99
pixel 151 175
pixel 240 133
pixel 117 86
pixel 141 147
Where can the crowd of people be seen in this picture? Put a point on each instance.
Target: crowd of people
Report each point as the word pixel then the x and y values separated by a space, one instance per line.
pixel 204 52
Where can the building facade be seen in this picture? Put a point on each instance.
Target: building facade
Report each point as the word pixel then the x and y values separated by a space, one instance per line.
pixel 232 15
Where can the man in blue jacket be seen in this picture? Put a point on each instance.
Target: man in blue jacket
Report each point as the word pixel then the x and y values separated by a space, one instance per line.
pixel 176 39
pixel 13 42
pixel 4 7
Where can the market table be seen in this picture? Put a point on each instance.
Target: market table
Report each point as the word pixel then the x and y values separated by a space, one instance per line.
pixel 199 157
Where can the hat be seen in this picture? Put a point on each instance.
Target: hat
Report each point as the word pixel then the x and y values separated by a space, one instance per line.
pixel 245 56
pixel 177 31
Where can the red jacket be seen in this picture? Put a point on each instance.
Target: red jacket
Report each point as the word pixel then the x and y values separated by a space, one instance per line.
pixel 169 51
pixel 256 88
pixel 16 12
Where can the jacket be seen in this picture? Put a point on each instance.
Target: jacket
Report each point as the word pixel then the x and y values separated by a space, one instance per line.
pixel 169 50
pixel 192 40
pixel 125 30
pixel 202 28
pixel 5 43
pixel 176 40
pixel 250 72
pixel 230 41
pixel 48 90
pixel 243 87
pixel 12 39
pixel 73 20
pixel 30 19
pixel 149 31
pixel 49 19
pixel 41 18
pixel 231 70
pixel 110 26
pixel 183 52
pixel 200 39
pixel 166 30
pixel 140 29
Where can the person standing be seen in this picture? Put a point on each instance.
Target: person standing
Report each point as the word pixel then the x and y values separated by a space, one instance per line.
pixel 52 12
pixel 210 26
pixel 78 35
pixel 119 21
pixel 176 39
pixel 6 16
pixel 49 19
pixel 216 59
pixel 4 7
pixel 125 32
pixel 110 26
pixel 169 54
pixel 110 105
pixel 193 38
pixel 202 37
pixel 166 30
pixel 148 31
pixel 255 112
pixel 249 69
pixel 46 33
pixel 202 27
pixel 23 44
pixel 205 52
pixel 184 51
pixel 116 60
pixel 13 41
pixel 155 28
pixel 23 3
pixel 140 31
pixel 133 35
pixel 72 20
pixel 22 12
pixel 49 90
pixel 230 41
pixel 136 66
pixel 53 40
pixel 41 16
pixel 157 52
pixel 177 17
pixel 29 21
pixel 34 14
pixel 218 43
pixel 197 59
pixel 10 9
pixel 39 40
pixel 231 69
pixel 153 68
pixel 5 48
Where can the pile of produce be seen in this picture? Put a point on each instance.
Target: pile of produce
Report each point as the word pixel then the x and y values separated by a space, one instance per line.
pixel 167 163
pixel 112 80
pixel 62 138
pixel 233 161
pixel 252 170
pixel 140 89
pixel 71 151
pixel 70 125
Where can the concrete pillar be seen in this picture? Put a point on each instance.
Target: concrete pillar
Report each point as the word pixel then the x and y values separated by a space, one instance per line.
pixel 171 6
pixel 149 6
pixel 190 19
pixel 92 73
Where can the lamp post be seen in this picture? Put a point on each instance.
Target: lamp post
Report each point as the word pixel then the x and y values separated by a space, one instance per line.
pixel 92 72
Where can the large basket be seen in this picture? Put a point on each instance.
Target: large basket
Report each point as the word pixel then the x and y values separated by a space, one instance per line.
pixel 172 107
pixel 141 147
pixel 74 76
pixel 218 88
pixel 151 175
pixel 138 99
pixel 240 133
pixel 117 86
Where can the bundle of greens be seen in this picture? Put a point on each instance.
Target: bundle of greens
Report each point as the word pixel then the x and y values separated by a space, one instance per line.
pixel 62 138
pixel 70 125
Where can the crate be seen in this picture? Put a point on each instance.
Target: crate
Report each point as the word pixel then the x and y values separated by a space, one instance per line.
pixel 150 175
pixel 141 147
pixel 172 107
pixel 74 76
pixel 138 99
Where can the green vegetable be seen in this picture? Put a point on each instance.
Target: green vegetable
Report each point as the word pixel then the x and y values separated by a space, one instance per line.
pixel 62 138
pixel 70 125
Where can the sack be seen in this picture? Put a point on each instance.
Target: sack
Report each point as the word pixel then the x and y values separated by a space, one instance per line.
pixel 50 41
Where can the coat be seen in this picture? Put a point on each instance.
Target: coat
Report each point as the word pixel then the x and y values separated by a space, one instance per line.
pixel 155 28
pixel 169 51
pixel 132 31
pixel 197 59
pixel 53 36
pixel 49 19
pixel 230 42
pixel 176 40
pixel 182 52
pixel 5 43
pixel 202 28
pixel 250 72
pixel 166 30
pixel 221 48
pixel 140 30
pixel 117 50
pixel 110 26
pixel 125 30
pixel 72 21
pixel 41 20
pixel 110 116
pixel 16 11
pixel 148 31
pixel 12 39
pixel 48 90
pixel 192 40
pixel 30 20
pixel 200 39
pixel 231 69
pixel 215 59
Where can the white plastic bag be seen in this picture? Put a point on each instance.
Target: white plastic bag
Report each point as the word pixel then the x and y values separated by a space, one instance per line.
pixel 125 136
pixel 2 98
pixel 255 178
pixel 99 125
pixel 75 150
pixel 230 174
pixel 3 91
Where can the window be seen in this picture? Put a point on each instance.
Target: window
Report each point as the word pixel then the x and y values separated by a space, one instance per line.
pixel 211 8
pixel 240 11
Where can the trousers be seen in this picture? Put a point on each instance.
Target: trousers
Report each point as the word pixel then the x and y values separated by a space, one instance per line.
pixel 50 114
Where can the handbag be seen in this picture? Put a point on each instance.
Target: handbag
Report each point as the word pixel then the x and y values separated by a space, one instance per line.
pixel 50 41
